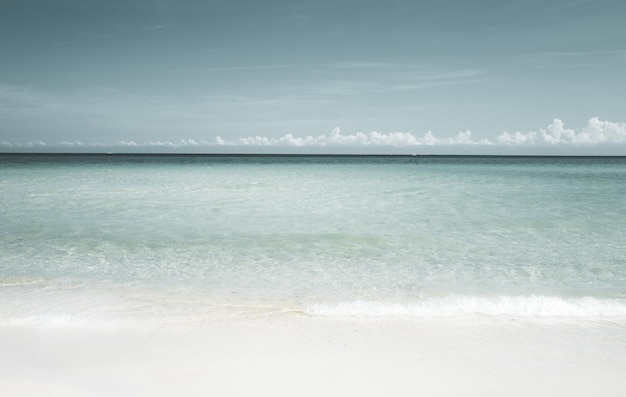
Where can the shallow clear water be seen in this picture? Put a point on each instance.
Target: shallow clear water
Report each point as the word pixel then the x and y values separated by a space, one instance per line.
pixel 326 235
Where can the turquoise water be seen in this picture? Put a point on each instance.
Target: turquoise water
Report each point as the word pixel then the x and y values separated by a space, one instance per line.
pixel 101 237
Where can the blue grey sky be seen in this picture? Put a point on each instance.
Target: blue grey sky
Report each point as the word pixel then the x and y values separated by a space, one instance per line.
pixel 457 76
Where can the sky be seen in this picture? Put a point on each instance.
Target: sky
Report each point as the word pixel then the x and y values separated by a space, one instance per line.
pixel 324 76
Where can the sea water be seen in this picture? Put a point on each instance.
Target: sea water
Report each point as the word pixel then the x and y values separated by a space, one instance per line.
pixel 108 239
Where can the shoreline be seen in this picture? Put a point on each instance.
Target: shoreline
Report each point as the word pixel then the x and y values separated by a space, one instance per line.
pixel 290 354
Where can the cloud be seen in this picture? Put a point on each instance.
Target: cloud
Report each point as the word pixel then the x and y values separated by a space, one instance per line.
pixel 183 143
pixel 237 68
pixel 372 139
pixel 594 133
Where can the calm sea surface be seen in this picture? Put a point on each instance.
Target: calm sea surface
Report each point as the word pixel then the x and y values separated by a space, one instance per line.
pixel 99 238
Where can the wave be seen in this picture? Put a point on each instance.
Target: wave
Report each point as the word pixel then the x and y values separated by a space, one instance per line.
pixel 512 306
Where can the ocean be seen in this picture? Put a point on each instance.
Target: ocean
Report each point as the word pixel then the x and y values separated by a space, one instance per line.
pixel 110 240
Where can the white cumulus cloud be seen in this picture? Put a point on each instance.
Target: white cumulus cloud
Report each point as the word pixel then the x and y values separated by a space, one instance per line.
pixel 374 138
pixel 595 132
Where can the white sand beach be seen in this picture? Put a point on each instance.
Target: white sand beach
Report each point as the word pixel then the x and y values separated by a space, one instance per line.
pixel 298 355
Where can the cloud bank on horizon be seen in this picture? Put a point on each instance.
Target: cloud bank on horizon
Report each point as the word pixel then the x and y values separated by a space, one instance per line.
pixel 595 132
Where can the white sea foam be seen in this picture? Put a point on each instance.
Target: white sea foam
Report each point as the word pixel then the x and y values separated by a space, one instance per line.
pixel 458 305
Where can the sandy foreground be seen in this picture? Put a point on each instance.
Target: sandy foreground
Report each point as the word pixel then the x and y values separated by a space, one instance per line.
pixel 299 355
